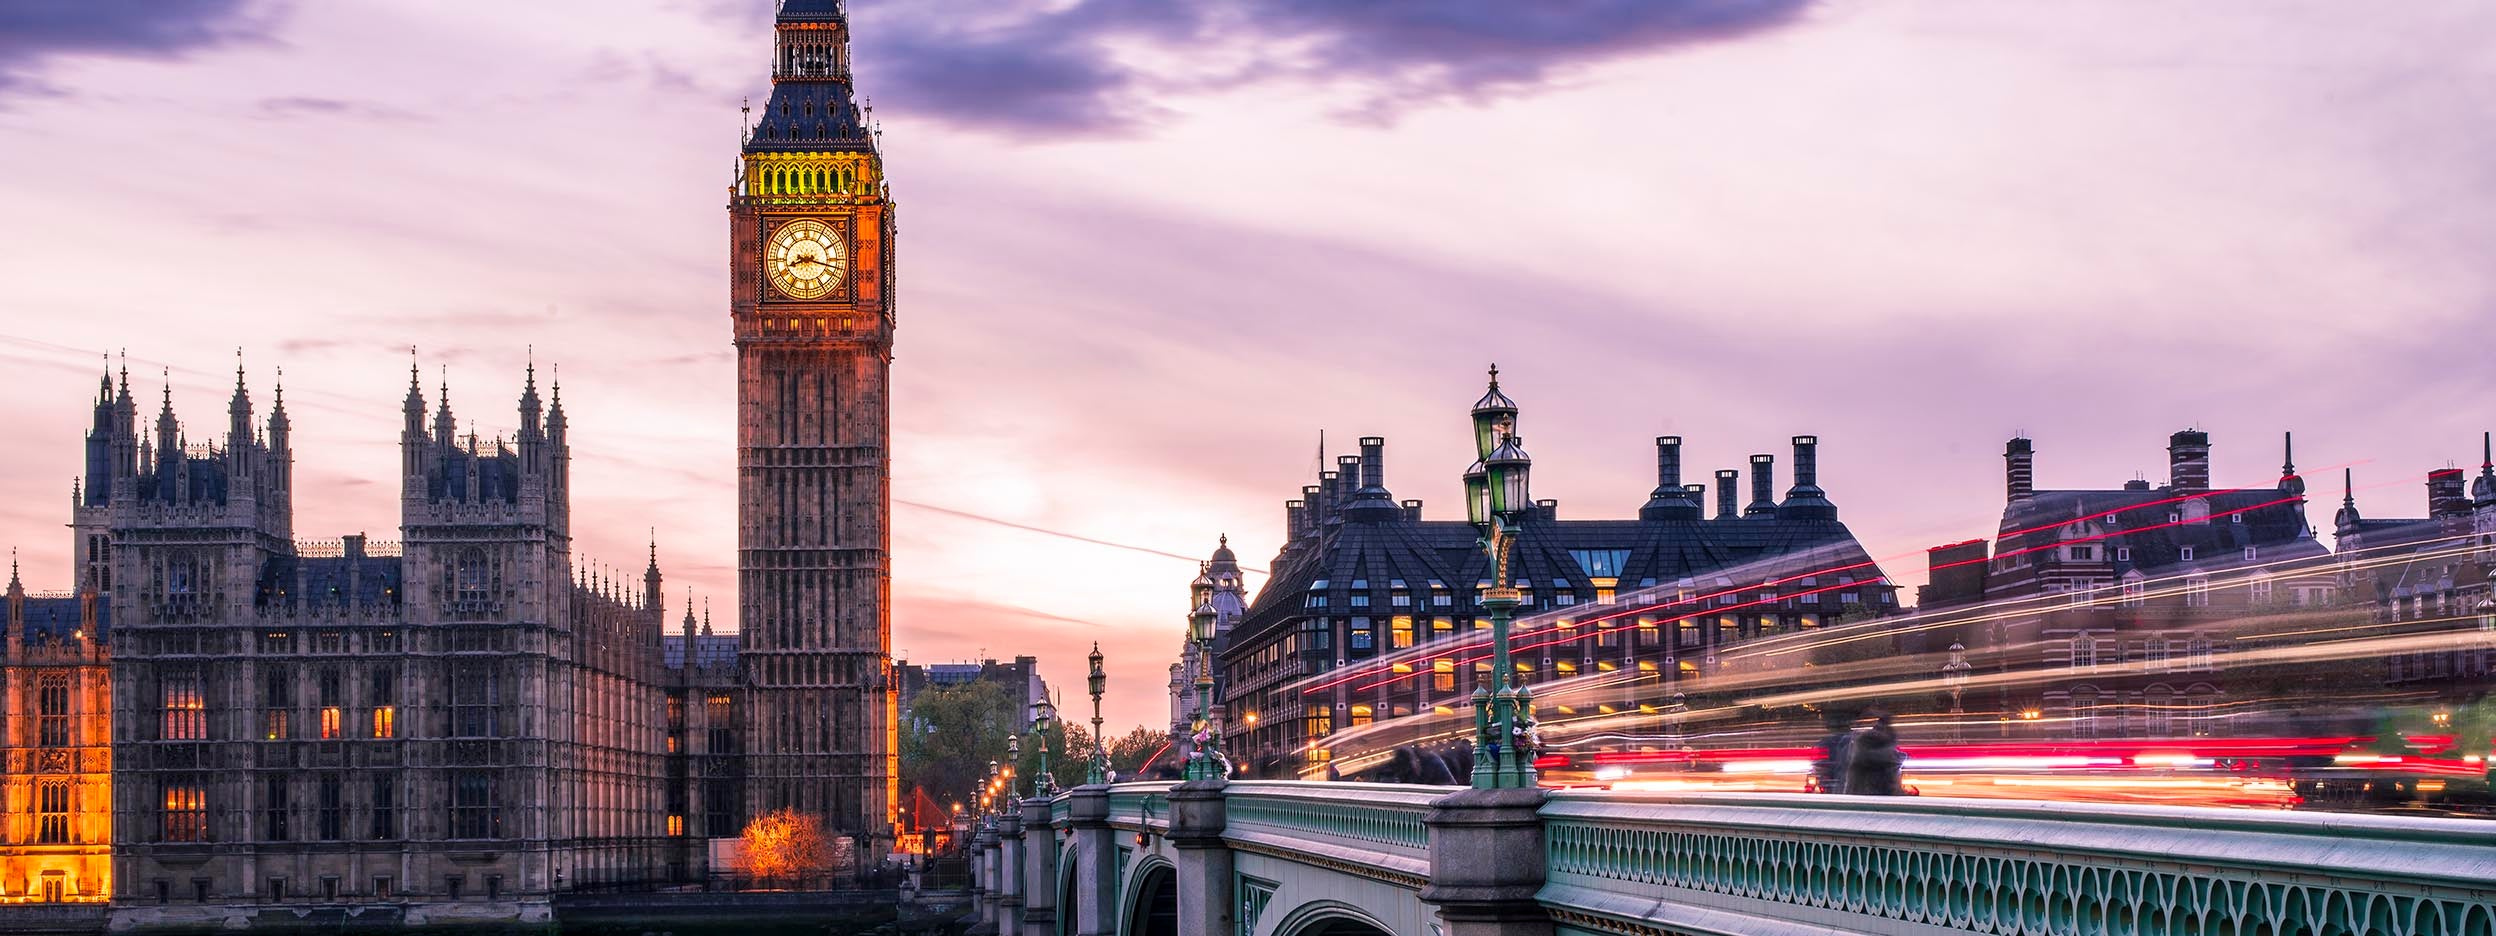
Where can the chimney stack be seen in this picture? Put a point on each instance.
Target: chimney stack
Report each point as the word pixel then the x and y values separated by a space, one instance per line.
pixel 1728 500
pixel 1412 511
pixel 2188 461
pixel 1763 487
pixel 1371 502
pixel 1326 503
pixel 1671 501
pixel 2444 494
pixel 1292 519
pixel 2019 469
pixel 1805 500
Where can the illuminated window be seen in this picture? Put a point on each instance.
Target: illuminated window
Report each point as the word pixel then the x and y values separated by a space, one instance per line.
pixel 52 701
pixel 1443 675
pixel 385 721
pixel 185 818
pixel 184 716
pixel 1440 628
pixel 1361 715
pixel 675 825
pixel 331 718
pixel 277 701
pixel 52 812
pixel 1402 632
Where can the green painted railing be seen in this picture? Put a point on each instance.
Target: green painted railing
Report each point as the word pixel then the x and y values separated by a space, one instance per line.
pixel 1625 863
pixel 1331 818
pixel 1136 806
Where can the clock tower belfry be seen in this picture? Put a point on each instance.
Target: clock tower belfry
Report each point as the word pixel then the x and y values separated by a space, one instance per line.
pixel 811 303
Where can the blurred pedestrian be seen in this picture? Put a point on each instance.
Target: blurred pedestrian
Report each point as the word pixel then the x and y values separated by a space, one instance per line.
pixel 1828 771
pixel 1873 764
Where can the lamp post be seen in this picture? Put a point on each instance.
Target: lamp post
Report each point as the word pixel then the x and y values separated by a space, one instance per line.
pixel 1954 675
pixel 1497 502
pixel 1046 712
pixel 1097 771
pixel 1204 758
pixel 1013 756
pixel 988 791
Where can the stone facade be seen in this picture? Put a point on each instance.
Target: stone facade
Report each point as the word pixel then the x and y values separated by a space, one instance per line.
pixel 223 722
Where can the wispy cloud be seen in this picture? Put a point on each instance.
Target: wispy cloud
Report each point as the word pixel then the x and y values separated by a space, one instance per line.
pixel 34 32
pixel 1100 66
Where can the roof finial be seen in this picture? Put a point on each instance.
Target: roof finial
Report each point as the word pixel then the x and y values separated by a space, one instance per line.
pixel 238 368
pixel 1494 376
pixel 13 583
pixel 2348 487
pixel 1225 541
pixel 281 387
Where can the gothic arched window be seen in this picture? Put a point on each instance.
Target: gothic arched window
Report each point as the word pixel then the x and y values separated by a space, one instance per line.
pixel 473 575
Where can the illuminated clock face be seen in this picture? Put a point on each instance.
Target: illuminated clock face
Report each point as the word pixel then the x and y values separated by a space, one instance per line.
pixel 805 259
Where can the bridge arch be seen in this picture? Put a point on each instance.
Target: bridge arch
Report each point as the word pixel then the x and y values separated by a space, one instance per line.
pixel 1069 894
pixel 1151 904
pixel 1330 918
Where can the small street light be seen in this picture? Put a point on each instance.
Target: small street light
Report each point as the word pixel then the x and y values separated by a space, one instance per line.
pixel 1042 715
pixel 1954 675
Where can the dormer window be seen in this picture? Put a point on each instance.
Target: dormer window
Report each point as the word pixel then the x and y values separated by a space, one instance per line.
pixel 2186 554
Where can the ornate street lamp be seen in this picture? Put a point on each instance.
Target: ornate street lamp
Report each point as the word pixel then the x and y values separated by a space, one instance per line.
pixel 988 790
pixel 1204 756
pixel 1042 715
pixel 1013 756
pixel 1497 502
pixel 1098 770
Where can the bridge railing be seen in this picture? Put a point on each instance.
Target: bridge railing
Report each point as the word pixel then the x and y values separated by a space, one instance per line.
pixel 1762 863
pixel 1140 807
pixel 1371 825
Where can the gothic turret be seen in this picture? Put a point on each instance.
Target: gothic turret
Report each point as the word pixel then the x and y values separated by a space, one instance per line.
pixel 2483 490
pixel 2344 524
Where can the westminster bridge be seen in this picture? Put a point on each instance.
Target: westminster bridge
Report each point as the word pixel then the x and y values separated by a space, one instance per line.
pixel 1284 858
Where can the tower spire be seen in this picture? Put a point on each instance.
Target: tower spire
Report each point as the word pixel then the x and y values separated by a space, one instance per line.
pixel 2289 483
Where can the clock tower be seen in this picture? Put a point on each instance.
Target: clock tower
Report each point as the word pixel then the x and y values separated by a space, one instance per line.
pixel 810 253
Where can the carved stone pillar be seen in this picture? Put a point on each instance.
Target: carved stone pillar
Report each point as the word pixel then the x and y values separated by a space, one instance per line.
pixel 1096 862
pixel 1486 863
pixel 1009 917
pixel 1039 869
pixel 1204 874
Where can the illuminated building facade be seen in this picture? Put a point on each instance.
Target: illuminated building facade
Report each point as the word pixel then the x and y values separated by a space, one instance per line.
pixel 811 237
pixel 1356 641
pixel 56 831
pixel 223 721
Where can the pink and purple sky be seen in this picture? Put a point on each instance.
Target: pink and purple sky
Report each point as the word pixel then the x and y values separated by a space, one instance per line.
pixel 1150 249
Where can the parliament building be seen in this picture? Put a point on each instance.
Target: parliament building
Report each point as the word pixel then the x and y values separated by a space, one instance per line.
pixel 221 725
